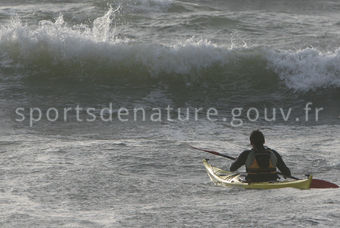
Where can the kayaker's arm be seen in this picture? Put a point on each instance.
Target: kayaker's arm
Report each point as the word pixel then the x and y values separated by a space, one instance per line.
pixel 281 165
pixel 241 160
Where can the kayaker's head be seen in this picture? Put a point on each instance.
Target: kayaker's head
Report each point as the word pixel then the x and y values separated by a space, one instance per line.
pixel 257 139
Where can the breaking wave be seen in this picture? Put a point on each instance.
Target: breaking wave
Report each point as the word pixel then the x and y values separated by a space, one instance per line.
pixel 54 50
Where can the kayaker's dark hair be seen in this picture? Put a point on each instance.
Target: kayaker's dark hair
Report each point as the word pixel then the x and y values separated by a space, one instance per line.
pixel 257 138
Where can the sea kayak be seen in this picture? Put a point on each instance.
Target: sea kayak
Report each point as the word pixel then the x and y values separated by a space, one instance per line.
pixel 230 179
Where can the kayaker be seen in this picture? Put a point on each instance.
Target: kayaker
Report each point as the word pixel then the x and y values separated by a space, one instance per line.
pixel 260 161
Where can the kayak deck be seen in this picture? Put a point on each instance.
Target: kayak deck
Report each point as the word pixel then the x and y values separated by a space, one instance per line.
pixel 229 179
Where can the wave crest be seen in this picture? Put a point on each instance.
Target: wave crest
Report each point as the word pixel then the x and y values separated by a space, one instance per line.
pixel 306 69
pixel 53 50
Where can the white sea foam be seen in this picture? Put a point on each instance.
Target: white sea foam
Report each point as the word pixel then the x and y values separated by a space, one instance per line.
pixel 58 47
pixel 306 69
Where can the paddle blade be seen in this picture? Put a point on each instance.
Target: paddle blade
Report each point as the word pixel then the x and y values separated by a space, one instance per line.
pixel 316 183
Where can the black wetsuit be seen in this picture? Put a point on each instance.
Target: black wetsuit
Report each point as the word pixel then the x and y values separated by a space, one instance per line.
pixel 241 160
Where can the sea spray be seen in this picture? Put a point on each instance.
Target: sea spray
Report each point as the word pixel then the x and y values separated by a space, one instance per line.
pixel 56 50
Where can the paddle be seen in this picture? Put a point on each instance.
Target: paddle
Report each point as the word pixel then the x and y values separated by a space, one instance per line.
pixel 316 183
pixel 213 152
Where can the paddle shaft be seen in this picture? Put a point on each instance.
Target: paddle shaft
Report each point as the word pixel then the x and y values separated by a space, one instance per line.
pixel 214 152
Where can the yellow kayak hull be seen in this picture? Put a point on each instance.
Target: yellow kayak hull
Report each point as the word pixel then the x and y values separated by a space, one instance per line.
pixel 230 179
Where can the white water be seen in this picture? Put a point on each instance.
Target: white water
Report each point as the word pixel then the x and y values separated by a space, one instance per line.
pixel 59 45
pixel 158 53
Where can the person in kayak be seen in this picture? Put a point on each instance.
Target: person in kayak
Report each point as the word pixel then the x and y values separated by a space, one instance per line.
pixel 260 161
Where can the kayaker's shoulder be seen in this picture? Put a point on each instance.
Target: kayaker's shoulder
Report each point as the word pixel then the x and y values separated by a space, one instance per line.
pixel 274 151
pixel 268 148
pixel 245 153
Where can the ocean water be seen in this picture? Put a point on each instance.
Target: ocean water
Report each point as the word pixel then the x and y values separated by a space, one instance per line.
pixel 105 55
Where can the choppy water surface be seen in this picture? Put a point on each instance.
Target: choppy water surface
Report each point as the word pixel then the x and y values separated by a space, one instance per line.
pixel 153 53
